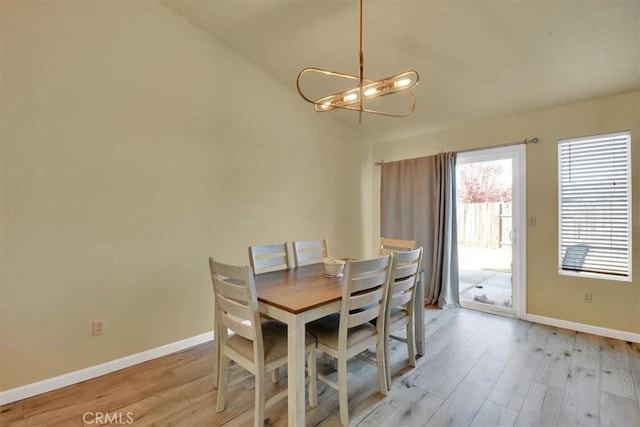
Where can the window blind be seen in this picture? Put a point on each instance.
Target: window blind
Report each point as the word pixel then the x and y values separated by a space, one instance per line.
pixel 595 204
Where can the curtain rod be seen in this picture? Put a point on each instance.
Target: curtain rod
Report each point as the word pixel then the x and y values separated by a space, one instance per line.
pixel 533 140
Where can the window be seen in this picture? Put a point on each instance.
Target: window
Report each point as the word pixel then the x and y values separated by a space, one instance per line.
pixel 595 206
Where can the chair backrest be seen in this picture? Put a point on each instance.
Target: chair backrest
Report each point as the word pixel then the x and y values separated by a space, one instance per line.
pixel 404 277
pixel 307 252
pixel 236 304
pixel 364 293
pixel 388 246
pixel 267 258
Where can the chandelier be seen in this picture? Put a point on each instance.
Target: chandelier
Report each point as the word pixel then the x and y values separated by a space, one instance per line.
pixel 365 91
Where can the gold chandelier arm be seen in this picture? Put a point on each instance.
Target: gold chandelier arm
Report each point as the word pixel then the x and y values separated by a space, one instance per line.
pixel 325 103
pixel 321 71
pixel 381 113
pixel 368 90
pixel 327 72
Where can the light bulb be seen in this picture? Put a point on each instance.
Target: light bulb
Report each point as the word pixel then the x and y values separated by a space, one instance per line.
pixel 370 91
pixel 351 97
pixel 402 82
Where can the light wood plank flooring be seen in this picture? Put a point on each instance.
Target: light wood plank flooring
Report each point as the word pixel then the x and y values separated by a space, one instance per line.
pixel 479 370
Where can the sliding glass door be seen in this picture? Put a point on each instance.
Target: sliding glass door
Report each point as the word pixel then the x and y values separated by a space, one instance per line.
pixel 490 191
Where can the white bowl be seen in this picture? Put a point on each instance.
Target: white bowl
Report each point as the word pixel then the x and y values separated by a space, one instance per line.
pixel 333 267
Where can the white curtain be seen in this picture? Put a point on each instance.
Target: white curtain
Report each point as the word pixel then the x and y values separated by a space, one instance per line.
pixel 418 202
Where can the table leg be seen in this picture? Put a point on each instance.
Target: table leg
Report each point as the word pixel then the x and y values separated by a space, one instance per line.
pixel 418 312
pixel 296 341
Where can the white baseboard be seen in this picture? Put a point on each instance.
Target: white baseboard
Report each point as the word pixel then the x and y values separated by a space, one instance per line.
pixel 44 386
pixel 581 327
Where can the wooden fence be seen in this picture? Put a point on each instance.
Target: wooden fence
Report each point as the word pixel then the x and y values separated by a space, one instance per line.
pixel 484 225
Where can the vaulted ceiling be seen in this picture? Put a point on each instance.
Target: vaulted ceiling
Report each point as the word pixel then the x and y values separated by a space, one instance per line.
pixel 477 59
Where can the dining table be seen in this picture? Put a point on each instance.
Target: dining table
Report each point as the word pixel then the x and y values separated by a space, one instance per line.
pixel 300 295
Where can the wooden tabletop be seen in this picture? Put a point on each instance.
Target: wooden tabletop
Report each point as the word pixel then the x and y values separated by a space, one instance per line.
pixel 298 289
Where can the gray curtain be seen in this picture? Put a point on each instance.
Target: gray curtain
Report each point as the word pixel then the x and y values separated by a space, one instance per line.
pixel 418 202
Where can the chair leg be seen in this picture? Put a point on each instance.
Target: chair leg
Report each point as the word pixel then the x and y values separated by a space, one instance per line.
pixel 223 379
pixel 342 391
pixel 312 371
pixel 258 419
pixel 383 370
pixel 216 355
pixel 411 343
pixel 275 375
pixel 387 360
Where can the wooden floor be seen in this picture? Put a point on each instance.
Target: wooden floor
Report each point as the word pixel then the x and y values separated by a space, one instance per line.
pixel 479 370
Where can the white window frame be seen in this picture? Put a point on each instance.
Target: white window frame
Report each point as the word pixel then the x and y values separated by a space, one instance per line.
pixel 587 274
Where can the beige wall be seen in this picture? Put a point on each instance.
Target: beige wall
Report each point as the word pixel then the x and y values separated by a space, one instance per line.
pixel 615 305
pixel 133 148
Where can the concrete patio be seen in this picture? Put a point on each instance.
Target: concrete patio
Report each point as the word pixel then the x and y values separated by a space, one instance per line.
pixel 485 275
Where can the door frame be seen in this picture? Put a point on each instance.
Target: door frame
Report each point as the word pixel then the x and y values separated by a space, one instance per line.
pixel 518 155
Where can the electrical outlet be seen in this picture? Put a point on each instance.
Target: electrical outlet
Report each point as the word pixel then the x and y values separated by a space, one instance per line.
pixel 587 297
pixel 97 327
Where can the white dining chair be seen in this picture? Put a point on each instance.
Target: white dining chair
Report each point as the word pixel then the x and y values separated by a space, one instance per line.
pixel 258 347
pixel 388 245
pixel 266 258
pixel 307 252
pixel 348 333
pixel 399 313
